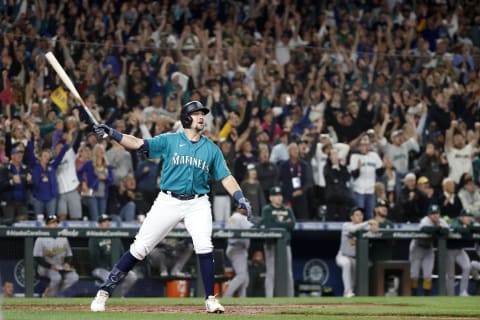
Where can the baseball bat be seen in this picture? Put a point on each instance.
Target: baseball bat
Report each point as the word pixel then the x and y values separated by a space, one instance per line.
pixel 69 84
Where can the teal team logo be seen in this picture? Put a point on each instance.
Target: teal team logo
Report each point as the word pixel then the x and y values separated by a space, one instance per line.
pixel 316 271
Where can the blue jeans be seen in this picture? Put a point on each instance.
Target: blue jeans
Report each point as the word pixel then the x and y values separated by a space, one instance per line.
pixel 127 212
pixel 96 207
pixel 48 207
pixel 365 201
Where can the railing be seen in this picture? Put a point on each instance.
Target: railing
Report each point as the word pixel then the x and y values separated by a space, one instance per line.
pixel 30 233
pixel 363 239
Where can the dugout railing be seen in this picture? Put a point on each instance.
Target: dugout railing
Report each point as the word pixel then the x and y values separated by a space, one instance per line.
pixel 362 253
pixel 29 234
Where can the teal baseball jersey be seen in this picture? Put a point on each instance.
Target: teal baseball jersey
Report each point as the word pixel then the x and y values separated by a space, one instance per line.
pixel 187 166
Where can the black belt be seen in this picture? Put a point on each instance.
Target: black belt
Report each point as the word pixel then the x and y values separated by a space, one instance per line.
pixel 182 196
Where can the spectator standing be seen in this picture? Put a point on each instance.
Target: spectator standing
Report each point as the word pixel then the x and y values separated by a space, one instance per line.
pixel 337 192
pixel 277 215
pixel 44 176
pixel 398 150
pixel 253 190
pixel 469 195
pixel 121 162
pixel 279 151
pixel 15 184
pixel 98 176
pixel 267 172
pixel 222 203
pixel 146 174
pixel 69 201
pixel 130 201
pixel 421 255
pixel 433 166
pixel 54 257
pixel 243 159
pixel 293 178
pixel 237 253
pixel 364 167
pixel 345 258
pixel 459 153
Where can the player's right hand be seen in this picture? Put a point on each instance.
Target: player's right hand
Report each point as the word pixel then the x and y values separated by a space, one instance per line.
pixel 102 129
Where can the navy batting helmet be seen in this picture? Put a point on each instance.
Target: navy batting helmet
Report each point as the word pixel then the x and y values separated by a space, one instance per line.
pixel 188 108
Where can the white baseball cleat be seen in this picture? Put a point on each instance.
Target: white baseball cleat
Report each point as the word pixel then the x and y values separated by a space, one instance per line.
pixel 349 294
pixel 464 294
pixel 98 304
pixel 213 306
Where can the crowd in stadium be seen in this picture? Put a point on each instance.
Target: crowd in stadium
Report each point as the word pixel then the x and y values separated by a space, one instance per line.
pixel 343 104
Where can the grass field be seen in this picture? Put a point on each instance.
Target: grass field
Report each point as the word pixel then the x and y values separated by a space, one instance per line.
pixel 250 308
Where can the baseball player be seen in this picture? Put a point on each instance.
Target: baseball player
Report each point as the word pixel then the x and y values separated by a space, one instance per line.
pixel 456 253
pixel 237 253
pixel 277 215
pixel 54 256
pixel 190 161
pixel 173 254
pixel 421 250
pixel 346 254
pixel 100 251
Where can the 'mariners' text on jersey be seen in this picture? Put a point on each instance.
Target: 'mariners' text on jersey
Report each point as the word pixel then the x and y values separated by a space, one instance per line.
pixel 190 161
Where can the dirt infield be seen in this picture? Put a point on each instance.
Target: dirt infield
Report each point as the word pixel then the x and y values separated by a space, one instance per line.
pixel 244 309
pixel 252 309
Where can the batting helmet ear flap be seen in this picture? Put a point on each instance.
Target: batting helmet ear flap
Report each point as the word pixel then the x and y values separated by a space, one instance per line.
pixel 188 108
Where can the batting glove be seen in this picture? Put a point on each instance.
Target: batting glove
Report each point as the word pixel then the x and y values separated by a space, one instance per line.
pixel 243 203
pixel 103 129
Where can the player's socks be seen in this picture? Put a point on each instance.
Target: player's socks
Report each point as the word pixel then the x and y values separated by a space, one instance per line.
pixel 119 272
pixel 414 286
pixel 127 262
pixel 207 267
pixel 114 278
pixel 427 286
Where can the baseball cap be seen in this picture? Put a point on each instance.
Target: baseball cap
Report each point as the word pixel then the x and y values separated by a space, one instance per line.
pixel 275 190
pixel 251 166
pixel 104 217
pixel 396 133
pixel 381 203
pixel 422 180
pixel 465 213
pixel 51 219
pixel 433 209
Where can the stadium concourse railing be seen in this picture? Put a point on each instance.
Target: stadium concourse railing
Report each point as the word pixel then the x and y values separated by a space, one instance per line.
pixel 30 230
pixel 408 232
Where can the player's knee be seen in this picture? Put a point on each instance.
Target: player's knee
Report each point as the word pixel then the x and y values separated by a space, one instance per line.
pixel 203 247
pixel 55 278
pixel 139 251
